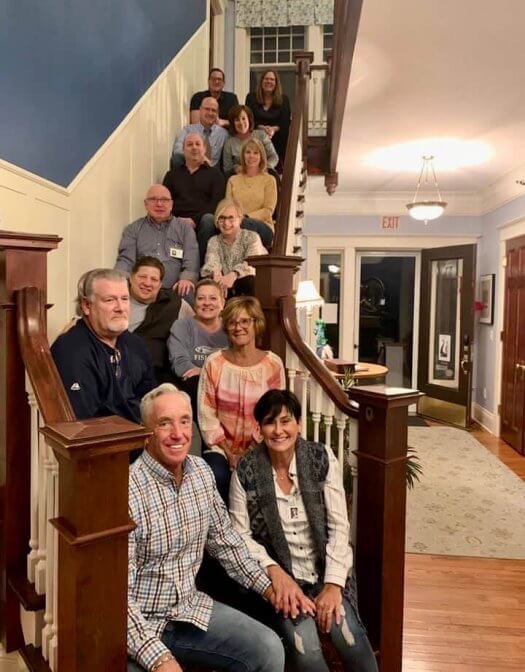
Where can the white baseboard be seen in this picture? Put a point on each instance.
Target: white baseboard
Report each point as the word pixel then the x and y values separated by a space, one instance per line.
pixel 486 419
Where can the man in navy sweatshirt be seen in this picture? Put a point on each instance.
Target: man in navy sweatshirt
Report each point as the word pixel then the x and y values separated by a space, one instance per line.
pixel 105 369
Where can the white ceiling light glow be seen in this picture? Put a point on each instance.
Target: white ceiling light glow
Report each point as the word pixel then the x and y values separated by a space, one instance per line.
pixel 451 154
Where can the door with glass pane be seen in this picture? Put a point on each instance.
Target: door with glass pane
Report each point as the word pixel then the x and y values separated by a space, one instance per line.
pixel 446 331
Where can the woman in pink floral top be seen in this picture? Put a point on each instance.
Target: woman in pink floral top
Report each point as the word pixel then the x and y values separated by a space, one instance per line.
pixel 231 383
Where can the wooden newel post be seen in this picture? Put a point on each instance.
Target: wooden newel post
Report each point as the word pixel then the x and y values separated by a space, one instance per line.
pixel 381 511
pixel 93 527
pixel 273 280
pixel 23 262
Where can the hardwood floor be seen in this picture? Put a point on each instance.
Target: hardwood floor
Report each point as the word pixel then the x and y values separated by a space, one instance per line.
pixel 466 614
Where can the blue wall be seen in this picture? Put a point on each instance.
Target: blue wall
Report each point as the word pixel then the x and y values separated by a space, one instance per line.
pixel 71 70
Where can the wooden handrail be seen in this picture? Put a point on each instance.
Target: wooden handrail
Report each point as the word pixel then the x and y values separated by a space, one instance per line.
pixel 347 14
pixel 295 135
pixel 50 394
pixel 314 365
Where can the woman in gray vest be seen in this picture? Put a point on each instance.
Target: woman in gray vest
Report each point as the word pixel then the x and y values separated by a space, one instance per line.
pixel 287 501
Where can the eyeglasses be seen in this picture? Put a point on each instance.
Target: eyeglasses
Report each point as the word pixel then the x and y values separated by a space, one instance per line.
pixel 115 360
pixel 230 219
pixel 163 200
pixel 244 322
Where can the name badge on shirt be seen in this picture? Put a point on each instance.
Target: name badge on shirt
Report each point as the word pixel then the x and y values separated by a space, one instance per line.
pixel 294 513
pixel 176 252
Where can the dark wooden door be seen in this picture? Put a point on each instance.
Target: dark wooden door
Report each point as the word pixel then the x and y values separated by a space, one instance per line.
pixel 513 373
pixel 446 330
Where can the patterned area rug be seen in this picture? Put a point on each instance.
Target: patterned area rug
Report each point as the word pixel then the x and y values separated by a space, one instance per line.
pixel 467 502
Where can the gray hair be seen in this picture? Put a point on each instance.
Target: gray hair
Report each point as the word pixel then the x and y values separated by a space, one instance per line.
pixel 85 283
pixel 148 399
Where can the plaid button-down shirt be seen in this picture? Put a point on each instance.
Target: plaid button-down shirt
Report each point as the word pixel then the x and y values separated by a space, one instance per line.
pixel 174 525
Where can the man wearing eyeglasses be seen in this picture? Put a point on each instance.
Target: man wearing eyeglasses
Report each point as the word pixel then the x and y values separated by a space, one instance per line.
pixel 208 128
pixel 225 99
pixel 105 369
pixel 165 237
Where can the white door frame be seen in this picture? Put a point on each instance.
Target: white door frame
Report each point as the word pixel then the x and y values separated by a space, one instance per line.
pixel 492 421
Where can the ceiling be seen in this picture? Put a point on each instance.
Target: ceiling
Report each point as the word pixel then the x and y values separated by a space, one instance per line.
pixel 445 77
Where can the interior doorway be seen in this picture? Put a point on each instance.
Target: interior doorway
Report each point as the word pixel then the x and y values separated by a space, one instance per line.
pixel 386 320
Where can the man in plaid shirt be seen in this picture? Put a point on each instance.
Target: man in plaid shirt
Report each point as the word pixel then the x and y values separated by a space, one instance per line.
pixel 178 512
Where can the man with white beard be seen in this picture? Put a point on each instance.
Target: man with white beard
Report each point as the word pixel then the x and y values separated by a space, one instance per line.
pixel 105 369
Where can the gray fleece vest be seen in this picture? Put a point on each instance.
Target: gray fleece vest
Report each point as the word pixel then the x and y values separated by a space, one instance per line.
pixel 255 475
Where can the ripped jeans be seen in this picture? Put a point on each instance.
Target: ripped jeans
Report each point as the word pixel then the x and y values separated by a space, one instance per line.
pixel 303 648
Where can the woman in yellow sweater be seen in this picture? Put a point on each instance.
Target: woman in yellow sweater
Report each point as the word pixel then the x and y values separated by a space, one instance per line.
pixel 255 191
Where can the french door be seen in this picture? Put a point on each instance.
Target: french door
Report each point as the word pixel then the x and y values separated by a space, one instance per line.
pixel 446 331
pixel 513 370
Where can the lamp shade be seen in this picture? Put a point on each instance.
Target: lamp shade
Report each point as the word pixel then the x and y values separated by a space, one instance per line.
pixel 307 296
pixel 424 211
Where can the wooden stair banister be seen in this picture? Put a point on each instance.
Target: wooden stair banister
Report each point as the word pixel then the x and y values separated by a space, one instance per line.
pixel 53 402
pixel 317 369
pixel 23 262
pixel 92 519
pixel 297 137
pixel 347 14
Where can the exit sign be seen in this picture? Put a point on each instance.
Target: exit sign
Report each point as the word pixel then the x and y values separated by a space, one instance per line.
pixel 390 223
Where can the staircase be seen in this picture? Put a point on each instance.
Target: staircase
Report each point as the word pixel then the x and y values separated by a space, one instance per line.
pixel 63 483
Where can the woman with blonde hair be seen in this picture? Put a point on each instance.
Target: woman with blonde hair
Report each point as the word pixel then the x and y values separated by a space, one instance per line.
pixel 231 383
pixel 227 252
pixel 242 128
pixel 255 191
pixel 271 110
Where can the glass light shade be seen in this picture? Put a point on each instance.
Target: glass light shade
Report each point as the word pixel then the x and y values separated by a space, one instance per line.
pixel 307 295
pixel 425 211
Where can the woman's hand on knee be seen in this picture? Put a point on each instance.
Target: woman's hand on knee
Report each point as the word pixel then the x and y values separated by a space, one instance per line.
pixel 328 606
pixel 289 599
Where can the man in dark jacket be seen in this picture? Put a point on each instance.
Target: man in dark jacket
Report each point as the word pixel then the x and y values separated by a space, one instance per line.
pixel 105 369
pixel 153 310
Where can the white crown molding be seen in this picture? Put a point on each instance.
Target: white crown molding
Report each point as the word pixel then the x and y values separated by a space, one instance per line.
pixel 380 202
pixel 503 190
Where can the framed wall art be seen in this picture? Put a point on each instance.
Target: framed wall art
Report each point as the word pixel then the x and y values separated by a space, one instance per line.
pixel 486 291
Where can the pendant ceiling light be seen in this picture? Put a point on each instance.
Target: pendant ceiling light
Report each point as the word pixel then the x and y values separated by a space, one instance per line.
pixel 421 210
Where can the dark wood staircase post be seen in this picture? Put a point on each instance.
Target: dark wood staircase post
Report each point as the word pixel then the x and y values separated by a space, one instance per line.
pixel 23 262
pixel 93 526
pixel 381 510
pixel 273 280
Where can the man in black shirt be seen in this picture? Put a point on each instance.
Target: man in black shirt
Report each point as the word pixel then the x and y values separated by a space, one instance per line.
pixel 196 189
pixel 226 99
pixel 153 310
pixel 105 369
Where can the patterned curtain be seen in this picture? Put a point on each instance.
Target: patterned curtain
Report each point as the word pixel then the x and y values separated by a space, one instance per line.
pixel 258 13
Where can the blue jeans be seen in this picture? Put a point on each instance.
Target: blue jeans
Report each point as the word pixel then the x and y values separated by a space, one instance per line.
pixel 204 231
pixel 303 647
pixel 264 231
pixel 222 472
pixel 233 641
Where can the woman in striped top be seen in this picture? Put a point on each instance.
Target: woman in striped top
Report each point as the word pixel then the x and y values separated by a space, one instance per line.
pixel 231 383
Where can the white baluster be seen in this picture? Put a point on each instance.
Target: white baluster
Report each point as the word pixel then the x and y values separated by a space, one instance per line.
pixel 316 404
pixel 32 557
pixel 340 423
pixel 353 443
pixel 47 634
pixel 328 419
pixel 53 571
pixel 291 379
pixel 43 483
pixel 305 376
